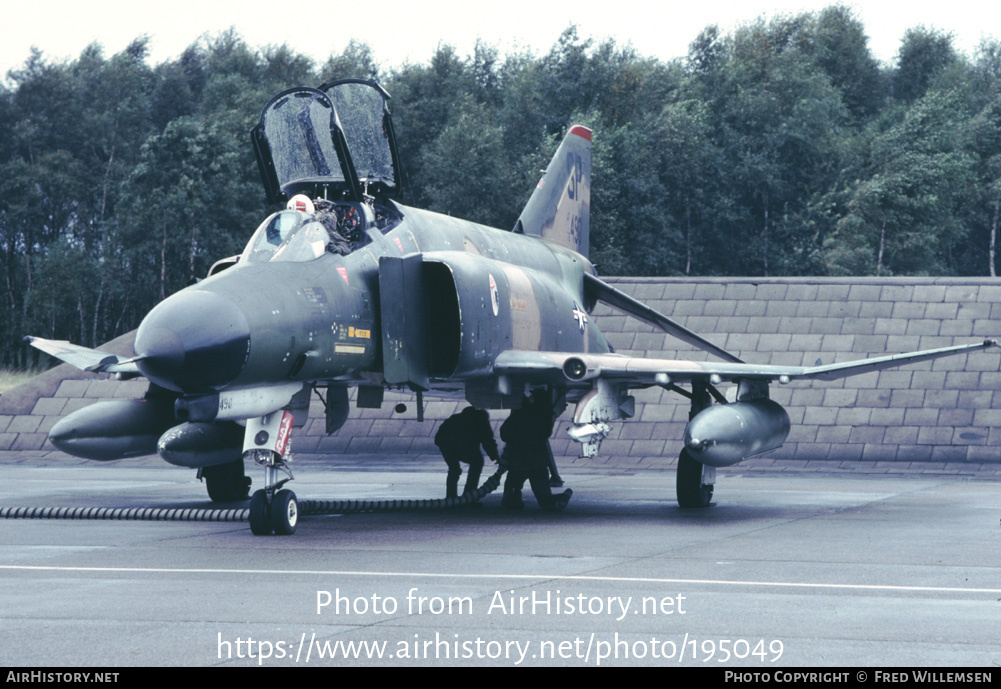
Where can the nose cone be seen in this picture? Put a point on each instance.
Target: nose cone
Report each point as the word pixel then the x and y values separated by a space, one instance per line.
pixel 193 342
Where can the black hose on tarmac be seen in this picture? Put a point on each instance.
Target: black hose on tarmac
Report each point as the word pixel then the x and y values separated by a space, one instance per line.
pixel 165 514
pixel 306 507
pixel 317 507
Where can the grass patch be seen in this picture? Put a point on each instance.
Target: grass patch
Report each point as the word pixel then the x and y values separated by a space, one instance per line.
pixel 10 378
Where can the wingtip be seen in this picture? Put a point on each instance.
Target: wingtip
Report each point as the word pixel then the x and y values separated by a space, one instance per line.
pixel 581 131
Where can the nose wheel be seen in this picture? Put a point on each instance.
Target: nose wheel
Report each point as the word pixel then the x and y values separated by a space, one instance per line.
pixel 279 516
pixel 284 513
pixel 260 514
pixel 273 509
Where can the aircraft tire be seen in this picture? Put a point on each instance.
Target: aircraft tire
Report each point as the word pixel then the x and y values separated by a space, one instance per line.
pixel 690 489
pixel 226 482
pixel 260 517
pixel 284 513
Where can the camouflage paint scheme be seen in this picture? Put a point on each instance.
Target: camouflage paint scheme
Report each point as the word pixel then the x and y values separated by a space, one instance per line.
pixel 422 301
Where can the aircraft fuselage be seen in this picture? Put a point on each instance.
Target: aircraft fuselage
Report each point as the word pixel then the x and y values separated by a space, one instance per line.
pixel 278 322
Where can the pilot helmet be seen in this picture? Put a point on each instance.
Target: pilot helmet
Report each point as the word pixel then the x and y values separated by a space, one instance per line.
pixel 300 202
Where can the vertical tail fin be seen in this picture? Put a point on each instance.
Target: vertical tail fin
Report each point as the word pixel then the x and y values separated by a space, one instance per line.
pixel 559 209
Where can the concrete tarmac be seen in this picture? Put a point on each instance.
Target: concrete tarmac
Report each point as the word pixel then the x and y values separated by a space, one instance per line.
pixel 787 569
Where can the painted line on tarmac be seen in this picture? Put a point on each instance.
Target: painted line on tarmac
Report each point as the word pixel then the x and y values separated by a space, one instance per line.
pixel 540 577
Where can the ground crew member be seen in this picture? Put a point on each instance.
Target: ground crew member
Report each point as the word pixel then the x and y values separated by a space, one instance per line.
pixel 555 480
pixel 459 438
pixel 526 452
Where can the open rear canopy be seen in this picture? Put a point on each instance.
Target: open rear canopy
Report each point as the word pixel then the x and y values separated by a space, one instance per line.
pixel 335 142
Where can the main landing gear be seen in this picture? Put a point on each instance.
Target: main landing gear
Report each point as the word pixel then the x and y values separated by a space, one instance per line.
pixel 273 509
pixel 226 482
pixel 691 487
pixel 694 482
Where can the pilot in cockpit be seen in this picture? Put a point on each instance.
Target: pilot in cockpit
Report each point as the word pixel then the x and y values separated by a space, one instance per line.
pixel 323 212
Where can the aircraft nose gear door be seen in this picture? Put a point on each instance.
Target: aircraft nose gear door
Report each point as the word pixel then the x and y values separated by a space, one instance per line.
pixel 272 509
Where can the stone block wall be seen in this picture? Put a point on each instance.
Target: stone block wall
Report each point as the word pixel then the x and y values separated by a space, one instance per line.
pixel 943 411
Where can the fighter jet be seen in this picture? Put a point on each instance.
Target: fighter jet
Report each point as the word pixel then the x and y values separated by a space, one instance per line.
pixel 346 287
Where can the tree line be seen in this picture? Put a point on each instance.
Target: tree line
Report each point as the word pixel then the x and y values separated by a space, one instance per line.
pixel 782 148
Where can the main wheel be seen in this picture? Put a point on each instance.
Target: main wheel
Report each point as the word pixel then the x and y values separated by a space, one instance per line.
pixel 284 513
pixel 260 514
pixel 227 482
pixel 691 491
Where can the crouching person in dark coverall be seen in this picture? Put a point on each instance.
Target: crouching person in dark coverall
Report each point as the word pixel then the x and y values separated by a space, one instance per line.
pixel 459 438
pixel 526 452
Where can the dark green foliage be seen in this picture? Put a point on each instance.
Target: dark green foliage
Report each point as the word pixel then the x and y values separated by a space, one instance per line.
pixel 465 170
pixel 924 54
pixel 840 50
pixel 356 62
pixel 783 148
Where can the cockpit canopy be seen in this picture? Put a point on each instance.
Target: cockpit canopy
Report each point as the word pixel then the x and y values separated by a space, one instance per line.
pixel 335 142
pixel 291 236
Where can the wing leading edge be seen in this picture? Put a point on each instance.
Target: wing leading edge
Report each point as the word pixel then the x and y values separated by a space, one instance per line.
pixel 716 435
pixel 639 371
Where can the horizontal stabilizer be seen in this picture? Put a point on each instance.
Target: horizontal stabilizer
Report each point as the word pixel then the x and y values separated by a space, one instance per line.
pixel 598 290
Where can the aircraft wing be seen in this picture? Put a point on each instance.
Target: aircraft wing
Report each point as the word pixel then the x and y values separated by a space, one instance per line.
pixel 86 359
pixel 640 371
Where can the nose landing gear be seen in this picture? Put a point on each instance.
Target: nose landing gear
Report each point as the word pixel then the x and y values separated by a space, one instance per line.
pixel 273 509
